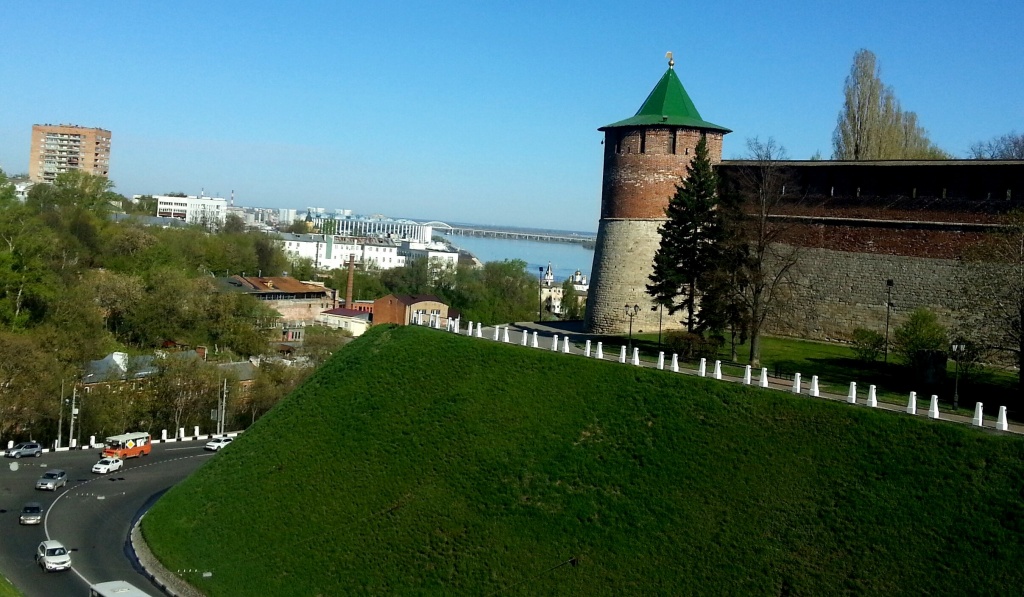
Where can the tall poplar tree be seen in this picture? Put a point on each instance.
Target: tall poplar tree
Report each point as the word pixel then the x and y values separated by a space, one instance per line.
pixel 690 242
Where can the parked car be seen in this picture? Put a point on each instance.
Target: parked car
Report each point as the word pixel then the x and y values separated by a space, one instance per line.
pixel 52 479
pixel 31 513
pixel 107 465
pixel 25 449
pixel 217 443
pixel 52 556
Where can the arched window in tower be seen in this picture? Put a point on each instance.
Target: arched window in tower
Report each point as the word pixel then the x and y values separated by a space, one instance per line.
pixel 643 141
pixel 672 141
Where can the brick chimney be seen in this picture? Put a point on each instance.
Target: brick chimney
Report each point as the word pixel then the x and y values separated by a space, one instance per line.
pixel 351 280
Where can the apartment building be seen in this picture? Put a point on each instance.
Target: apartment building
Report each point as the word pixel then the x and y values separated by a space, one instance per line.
pixel 58 148
pixel 329 251
pixel 209 212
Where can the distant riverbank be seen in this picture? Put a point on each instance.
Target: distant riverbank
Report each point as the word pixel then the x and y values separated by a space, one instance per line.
pixel 565 258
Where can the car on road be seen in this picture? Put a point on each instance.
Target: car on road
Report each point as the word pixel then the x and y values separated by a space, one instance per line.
pixel 52 479
pixel 25 449
pixel 31 513
pixel 53 556
pixel 217 443
pixel 107 465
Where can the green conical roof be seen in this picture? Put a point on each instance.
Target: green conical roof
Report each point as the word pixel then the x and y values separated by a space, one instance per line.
pixel 668 104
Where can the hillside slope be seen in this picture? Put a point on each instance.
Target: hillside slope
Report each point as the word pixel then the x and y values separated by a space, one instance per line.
pixel 422 462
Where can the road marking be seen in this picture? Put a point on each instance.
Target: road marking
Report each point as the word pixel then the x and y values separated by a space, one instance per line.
pixel 173 449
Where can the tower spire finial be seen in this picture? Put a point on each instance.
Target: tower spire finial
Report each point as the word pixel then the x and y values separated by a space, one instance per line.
pixel 671 61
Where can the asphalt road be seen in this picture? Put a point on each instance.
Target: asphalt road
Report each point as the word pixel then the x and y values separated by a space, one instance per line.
pixel 91 516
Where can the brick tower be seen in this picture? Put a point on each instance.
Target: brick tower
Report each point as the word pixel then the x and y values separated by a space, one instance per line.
pixel 645 157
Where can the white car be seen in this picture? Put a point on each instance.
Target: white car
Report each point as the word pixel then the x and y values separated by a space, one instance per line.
pixel 53 556
pixel 107 465
pixel 217 443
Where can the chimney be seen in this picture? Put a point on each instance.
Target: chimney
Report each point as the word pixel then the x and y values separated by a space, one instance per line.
pixel 351 280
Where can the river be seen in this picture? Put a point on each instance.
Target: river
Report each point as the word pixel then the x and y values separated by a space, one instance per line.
pixel 565 258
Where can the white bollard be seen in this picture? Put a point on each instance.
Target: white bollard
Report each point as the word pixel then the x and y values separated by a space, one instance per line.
pixel 1001 421
pixel 796 383
pixel 196 431
pixel 718 370
pixel 524 335
pixel 675 363
pixel 163 435
pixel 746 375
pixel 703 370
pixel 622 355
pixel 181 433
pixel 10 444
pixel 496 332
pixel 979 416
pixel 586 349
pixel 504 335
pixel 74 444
pixel 912 404
pixel 814 387
pixel 92 439
pixel 565 344
pixel 479 330
pixel 872 397
pixel 535 345
pixel 851 396
pixel 554 343
pixel 600 351
pixel 933 408
pixel 764 377
pixel 661 360
pixel 636 356
pixel 469 330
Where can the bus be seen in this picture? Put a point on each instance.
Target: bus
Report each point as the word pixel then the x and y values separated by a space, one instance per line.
pixel 127 445
pixel 116 588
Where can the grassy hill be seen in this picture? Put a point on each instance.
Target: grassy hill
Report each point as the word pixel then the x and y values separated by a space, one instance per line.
pixel 422 462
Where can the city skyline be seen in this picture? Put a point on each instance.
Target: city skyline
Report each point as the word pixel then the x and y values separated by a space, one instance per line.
pixel 472 113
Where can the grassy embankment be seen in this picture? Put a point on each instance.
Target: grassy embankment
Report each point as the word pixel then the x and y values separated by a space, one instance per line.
pixel 422 462
pixel 7 589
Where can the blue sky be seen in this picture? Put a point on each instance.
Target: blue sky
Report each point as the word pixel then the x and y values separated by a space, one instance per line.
pixel 482 112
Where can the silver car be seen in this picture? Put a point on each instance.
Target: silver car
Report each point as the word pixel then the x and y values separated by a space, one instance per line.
pixel 32 513
pixel 25 449
pixel 52 479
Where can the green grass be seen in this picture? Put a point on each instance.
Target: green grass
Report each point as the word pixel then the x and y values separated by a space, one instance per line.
pixel 7 589
pixel 422 462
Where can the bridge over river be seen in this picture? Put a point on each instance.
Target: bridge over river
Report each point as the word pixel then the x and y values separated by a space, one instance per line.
pixel 550 236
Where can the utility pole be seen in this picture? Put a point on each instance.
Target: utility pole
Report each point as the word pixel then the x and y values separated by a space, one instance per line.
pixel 60 419
pixel 71 432
pixel 223 409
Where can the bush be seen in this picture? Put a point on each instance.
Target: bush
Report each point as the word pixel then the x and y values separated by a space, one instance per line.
pixel 919 335
pixel 867 344
pixel 690 346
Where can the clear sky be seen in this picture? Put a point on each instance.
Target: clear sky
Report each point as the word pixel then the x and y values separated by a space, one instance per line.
pixel 476 111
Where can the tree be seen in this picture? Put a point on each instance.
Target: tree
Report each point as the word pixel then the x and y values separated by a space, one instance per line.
pixel 1006 147
pixel 763 263
pixel 233 225
pixel 27 279
pixel 6 190
pixel 571 307
pixel 919 334
pixel 871 124
pixel 27 381
pixel 690 247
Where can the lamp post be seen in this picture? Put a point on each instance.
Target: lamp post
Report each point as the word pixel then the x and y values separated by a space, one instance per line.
pixel 888 304
pixel 540 293
pixel 958 349
pixel 631 311
pixel 660 308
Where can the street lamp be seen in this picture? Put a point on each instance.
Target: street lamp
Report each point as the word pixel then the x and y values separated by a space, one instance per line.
pixel 888 304
pixel 959 349
pixel 631 312
pixel 540 293
pixel 660 308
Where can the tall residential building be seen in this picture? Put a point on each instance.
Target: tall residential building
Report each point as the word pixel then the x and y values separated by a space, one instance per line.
pixel 209 212
pixel 60 148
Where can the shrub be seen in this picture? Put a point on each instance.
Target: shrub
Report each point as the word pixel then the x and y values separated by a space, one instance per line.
pixel 919 335
pixel 685 344
pixel 867 344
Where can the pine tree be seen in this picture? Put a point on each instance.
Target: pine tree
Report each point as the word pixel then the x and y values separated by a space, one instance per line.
pixel 690 243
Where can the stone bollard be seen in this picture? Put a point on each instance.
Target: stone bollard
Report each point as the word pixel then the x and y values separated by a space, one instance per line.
pixel 675 363
pixel 661 360
pixel 496 332
pixel 979 416
pixel 535 345
pixel 622 355
pixel 796 383
pixel 718 370
pixel 565 344
pixel 92 440
pixel 912 404
pixel 764 377
pixel 504 335
pixel 1001 421
pixel 479 330
pixel 872 397
pixel 163 435
pixel 703 370
pixel 10 444
pixel 524 335
pixel 636 356
pixel 554 343
pixel 74 444
pixel 851 396
pixel 586 349
pixel 746 375
pixel 181 433
pixel 600 351
pixel 469 330
pixel 196 431
pixel 933 408
pixel 814 387
pixel 458 325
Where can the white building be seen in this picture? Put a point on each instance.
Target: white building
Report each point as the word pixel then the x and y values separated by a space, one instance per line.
pixel 330 251
pixel 356 322
pixel 285 216
pixel 435 253
pixel 551 290
pixel 209 212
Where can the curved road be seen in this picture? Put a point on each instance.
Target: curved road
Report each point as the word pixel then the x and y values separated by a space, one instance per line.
pixel 91 516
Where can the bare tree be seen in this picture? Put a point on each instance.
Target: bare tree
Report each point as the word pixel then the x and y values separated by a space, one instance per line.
pixel 765 262
pixel 1006 147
